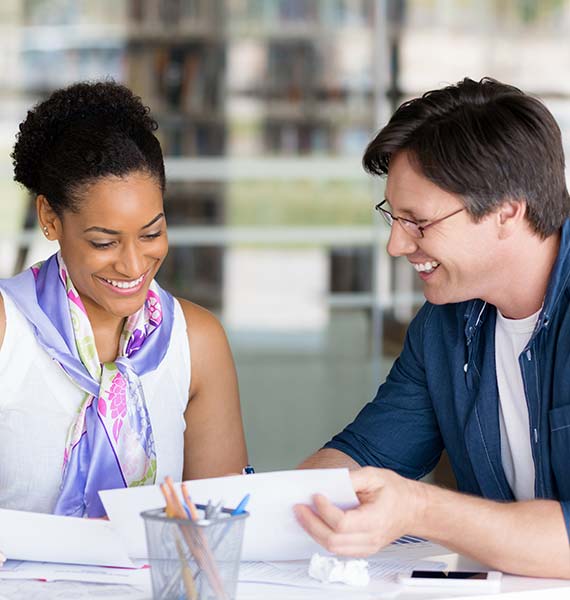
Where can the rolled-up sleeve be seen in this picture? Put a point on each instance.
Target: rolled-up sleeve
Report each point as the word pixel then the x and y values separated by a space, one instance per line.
pixel 398 430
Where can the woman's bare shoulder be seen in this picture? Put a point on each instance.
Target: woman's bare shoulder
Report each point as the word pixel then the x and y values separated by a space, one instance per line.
pixel 199 321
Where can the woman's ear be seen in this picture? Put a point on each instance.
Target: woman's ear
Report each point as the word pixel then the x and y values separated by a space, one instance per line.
pixel 49 222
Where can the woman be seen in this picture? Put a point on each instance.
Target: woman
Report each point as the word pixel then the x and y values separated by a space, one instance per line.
pixel 106 380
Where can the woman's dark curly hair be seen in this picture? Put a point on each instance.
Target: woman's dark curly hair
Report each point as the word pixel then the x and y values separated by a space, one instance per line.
pixel 81 133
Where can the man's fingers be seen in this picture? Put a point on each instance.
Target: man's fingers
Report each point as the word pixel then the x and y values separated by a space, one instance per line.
pixel 333 516
pixel 312 524
pixel 346 544
pixel 355 520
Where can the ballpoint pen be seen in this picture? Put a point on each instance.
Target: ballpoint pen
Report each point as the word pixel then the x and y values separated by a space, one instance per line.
pixel 240 508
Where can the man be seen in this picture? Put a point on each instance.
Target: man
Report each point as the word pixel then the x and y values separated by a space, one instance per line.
pixel 478 204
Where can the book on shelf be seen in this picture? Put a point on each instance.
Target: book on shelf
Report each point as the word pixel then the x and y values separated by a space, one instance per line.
pixel 181 14
pixel 276 14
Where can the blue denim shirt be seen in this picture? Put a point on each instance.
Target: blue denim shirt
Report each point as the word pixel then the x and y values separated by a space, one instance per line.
pixel 442 393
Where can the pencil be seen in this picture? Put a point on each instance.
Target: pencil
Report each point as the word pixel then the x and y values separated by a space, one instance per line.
pixel 201 551
pixel 187 577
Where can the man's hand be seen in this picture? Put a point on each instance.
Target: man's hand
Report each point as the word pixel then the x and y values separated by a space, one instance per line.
pixel 390 506
pixel 524 538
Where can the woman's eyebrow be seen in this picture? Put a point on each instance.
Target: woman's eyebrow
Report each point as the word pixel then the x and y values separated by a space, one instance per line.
pixel 157 218
pixel 115 232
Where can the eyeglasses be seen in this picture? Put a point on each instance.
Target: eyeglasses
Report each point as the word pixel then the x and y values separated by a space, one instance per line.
pixel 410 227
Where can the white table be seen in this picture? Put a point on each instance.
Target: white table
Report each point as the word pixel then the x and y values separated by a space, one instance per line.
pixel 522 588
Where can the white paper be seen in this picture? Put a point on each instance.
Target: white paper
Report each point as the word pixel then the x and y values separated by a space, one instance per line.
pixel 409 551
pixel 294 574
pixel 28 589
pixel 53 538
pixel 271 532
pixel 14 569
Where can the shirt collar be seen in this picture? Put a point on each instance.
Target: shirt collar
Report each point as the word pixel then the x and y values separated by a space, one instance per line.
pixel 475 311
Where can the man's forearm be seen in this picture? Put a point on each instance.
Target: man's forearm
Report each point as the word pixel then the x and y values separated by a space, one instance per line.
pixel 527 538
pixel 328 458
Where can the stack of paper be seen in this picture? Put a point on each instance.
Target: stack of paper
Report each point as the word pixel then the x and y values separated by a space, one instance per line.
pixel 51 538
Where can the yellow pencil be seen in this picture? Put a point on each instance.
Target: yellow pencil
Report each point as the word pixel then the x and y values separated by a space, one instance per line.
pixel 187 576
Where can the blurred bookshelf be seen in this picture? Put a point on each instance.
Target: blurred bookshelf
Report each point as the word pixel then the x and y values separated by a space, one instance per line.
pixel 300 84
pixel 175 59
pixel 274 79
pixel 245 77
pixel 227 79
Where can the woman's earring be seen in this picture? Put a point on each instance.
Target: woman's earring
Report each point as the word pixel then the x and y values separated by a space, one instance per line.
pixel 46 232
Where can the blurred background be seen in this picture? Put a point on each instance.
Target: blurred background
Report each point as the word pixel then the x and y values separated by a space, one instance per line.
pixel 265 108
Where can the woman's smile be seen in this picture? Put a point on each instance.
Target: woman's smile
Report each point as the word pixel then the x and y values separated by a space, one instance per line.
pixel 124 286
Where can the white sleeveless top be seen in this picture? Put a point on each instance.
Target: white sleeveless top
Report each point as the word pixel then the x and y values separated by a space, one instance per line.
pixel 38 403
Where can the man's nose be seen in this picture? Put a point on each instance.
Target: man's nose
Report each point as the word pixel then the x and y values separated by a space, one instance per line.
pixel 400 243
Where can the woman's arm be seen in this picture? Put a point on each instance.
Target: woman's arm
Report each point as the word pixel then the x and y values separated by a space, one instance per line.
pixel 214 441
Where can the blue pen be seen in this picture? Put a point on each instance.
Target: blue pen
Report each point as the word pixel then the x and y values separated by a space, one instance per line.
pixel 187 509
pixel 240 508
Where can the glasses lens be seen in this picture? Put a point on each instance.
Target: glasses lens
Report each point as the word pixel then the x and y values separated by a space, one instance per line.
pixel 387 216
pixel 411 228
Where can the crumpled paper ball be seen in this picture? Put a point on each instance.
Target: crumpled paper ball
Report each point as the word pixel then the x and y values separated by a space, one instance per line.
pixel 332 570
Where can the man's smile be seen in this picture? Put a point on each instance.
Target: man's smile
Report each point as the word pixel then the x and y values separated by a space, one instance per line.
pixel 426 267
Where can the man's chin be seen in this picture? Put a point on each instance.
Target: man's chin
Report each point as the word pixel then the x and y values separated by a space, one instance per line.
pixel 440 297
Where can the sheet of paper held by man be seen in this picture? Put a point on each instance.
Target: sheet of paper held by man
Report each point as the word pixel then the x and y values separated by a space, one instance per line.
pixel 271 531
pixel 52 538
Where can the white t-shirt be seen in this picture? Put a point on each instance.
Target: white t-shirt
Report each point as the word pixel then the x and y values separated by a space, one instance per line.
pixel 38 403
pixel 511 337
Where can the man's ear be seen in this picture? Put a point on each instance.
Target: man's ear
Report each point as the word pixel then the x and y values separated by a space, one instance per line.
pixel 50 223
pixel 510 216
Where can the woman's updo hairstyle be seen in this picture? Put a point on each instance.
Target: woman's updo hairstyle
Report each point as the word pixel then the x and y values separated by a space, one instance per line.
pixel 80 134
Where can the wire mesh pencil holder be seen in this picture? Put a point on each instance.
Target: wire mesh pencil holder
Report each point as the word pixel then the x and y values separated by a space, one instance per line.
pixel 194 560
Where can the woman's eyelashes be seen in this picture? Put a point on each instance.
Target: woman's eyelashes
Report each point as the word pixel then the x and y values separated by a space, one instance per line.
pixel 110 244
pixel 152 236
pixel 101 245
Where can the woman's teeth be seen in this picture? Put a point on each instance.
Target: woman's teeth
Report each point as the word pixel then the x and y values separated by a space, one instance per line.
pixel 426 267
pixel 125 285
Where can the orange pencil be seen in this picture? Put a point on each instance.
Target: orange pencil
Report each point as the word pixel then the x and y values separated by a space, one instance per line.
pixel 202 551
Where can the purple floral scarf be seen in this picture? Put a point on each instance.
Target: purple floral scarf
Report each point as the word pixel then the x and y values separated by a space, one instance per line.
pixel 110 443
